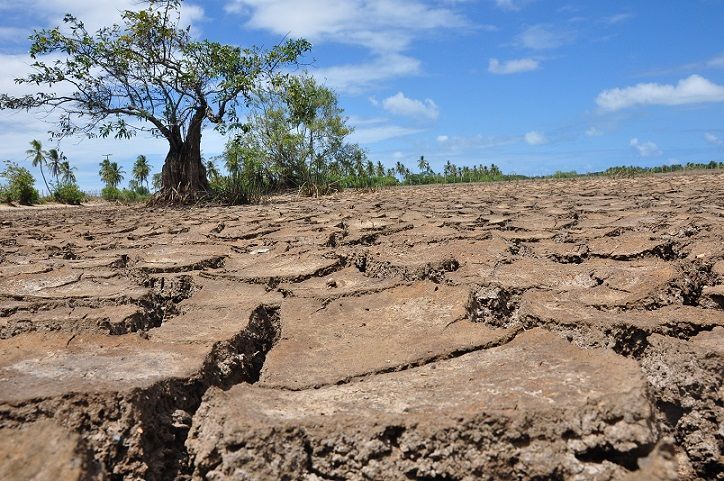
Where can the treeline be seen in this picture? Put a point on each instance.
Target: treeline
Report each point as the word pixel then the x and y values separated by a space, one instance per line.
pixel 296 138
pixel 452 174
pixel 633 170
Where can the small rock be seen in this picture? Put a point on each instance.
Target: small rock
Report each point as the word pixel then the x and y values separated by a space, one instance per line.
pixel 181 419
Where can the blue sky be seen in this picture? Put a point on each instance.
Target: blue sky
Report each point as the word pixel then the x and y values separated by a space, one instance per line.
pixel 533 86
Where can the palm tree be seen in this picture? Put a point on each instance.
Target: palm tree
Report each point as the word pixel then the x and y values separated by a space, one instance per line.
pixel 211 171
pixel 141 170
pixel 400 168
pixel 423 165
pixel 116 174
pixel 380 169
pixel 66 173
pixel 111 173
pixel 104 172
pixel 36 155
pixel 447 170
pixel 55 159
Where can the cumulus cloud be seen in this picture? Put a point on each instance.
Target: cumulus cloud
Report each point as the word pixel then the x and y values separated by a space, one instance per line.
pixel 535 138
pixel 544 37
pixel 512 66
pixel 387 28
pixel 692 90
pixel 713 139
pixel 399 104
pixel 442 138
pixel 645 149
pixel 380 25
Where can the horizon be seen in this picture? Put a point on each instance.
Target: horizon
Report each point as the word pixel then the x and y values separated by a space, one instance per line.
pixel 535 87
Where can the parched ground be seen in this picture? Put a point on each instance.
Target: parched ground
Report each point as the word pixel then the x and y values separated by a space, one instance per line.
pixel 532 330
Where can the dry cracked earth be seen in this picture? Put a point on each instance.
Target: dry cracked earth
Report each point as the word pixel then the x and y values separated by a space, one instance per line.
pixel 567 330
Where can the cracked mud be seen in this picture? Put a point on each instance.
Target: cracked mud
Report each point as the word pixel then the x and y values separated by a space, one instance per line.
pixel 534 330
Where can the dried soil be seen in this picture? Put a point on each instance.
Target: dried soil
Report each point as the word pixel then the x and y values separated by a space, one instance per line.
pixel 529 330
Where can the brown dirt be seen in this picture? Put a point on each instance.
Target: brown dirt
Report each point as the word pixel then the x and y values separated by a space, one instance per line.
pixel 533 330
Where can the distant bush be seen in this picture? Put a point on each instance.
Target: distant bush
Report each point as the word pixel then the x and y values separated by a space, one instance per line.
pixel 69 194
pixel 110 193
pixel 630 171
pixel 20 185
pixel 138 188
pixel 366 182
pixel 125 196
pixel 558 174
pixel 235 189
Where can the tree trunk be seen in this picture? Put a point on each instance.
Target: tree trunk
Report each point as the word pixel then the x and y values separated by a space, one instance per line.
pixel 42 174
pixel 184 174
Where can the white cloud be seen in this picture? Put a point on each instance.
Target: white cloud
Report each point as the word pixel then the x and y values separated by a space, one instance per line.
pixel 544 37
pixel 94 14
pixel 370 131
pixel 387 28
pixel 713 139
pixel 716 62
pixel 442 138
pixel 594 132
pixel 692 90
pixel 476 143
pixel 535 138
pixel 512 66
pixel 618 18
pixel 13 34
pixel 511 5
pixel 380 25
pixel 645 149
pixel 399 104
pixel 507 5
pixel 354 78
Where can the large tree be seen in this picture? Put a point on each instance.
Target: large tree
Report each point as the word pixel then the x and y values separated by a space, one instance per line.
pixel 149 73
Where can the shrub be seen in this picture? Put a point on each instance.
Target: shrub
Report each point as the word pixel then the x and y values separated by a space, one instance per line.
pixel 20 186
pixel 234 189
pixel 125 196
pixel 69 194
pixel 559 174
pixel 110 193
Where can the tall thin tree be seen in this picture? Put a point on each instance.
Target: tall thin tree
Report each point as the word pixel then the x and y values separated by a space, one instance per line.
pixel 36 155
pixel 141 170
pixel 55 159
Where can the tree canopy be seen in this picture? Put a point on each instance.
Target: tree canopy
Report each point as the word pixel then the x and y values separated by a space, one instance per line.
pixel 149 73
